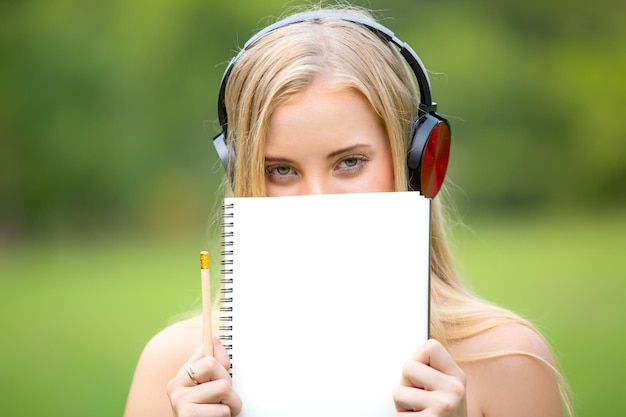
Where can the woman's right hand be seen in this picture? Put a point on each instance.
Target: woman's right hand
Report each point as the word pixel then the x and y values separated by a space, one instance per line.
pixel 211 394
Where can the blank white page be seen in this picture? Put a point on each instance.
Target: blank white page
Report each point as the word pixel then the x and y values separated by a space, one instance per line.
pixel 330 298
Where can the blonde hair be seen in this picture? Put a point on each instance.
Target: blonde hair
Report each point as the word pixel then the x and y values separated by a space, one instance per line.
pixel 288 60
pixel 285 62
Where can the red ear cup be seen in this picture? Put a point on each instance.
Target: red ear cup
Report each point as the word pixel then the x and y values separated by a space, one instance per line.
pixel 429 154
pixel 435 160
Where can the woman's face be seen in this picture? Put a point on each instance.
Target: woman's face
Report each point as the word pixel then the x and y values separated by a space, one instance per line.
pixel 325 141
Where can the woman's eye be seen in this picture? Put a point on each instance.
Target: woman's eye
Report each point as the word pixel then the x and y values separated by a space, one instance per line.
pixel 282 170
pixel 352 162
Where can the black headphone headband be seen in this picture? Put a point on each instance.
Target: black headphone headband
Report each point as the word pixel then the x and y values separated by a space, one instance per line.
pixel 429 141
pixel 423 82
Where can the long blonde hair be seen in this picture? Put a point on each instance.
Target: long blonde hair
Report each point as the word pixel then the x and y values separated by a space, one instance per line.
pixel 285 62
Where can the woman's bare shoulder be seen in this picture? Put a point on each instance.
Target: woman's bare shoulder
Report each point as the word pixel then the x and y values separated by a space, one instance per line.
pixel 170 348
pixel 518 379
pixel 185 335
pixel 510 337
pixel 162 357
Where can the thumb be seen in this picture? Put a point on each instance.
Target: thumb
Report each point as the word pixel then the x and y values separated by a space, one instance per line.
pixel 221 354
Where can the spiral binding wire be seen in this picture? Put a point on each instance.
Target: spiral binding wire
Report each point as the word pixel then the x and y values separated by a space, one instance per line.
pixel 226 280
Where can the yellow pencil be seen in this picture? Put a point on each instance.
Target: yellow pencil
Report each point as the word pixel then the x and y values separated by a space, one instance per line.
pixel 207 333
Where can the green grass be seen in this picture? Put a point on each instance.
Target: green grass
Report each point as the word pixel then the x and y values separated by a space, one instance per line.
pixel 568 275
pixel 77 313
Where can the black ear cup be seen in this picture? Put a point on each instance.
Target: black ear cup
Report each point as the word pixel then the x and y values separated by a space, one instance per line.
pixel 429 153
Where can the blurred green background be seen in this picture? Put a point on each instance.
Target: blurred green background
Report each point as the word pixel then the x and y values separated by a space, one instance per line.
pixel 108 178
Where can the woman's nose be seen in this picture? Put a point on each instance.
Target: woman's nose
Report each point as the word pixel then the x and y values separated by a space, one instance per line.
pixel 315 185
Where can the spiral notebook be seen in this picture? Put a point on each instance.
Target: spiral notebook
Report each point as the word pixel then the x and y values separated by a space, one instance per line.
pixel 324 298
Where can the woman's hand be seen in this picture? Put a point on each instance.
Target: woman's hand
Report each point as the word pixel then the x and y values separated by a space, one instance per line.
pixel 211 393
pixel 432 384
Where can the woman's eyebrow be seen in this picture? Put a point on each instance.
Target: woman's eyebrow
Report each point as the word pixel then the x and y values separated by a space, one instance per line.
pixel 269 158
pixel 272 158
pixel 348 149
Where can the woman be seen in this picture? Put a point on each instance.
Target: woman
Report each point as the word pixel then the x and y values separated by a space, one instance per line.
pixel 326 106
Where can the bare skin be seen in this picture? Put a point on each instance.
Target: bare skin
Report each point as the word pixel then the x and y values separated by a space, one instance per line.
pixel 494 387
pixel 349 154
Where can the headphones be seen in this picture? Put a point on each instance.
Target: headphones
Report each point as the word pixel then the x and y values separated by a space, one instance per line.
pixel 429 140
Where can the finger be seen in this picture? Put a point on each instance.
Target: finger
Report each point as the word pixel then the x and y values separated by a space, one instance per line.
pixel 206 369
pixel 418 375
pixel 221 354
pixel 214 398
pixel 197 355
pixel 425 388
pixel 204 410
pixel 433 354
pixel 409 399
pixel 433 369
pixel 216 392
pixel 187 373
pixel 199 369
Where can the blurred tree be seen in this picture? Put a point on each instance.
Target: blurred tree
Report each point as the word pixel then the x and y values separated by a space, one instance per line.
pixel 107 108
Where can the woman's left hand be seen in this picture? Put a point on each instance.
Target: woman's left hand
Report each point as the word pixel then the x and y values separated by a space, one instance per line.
pixel 432 384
